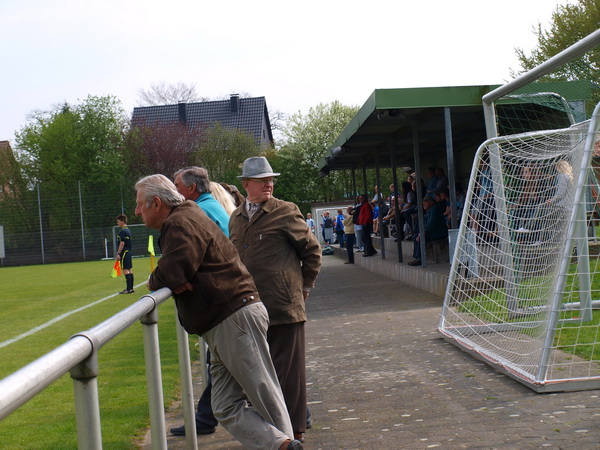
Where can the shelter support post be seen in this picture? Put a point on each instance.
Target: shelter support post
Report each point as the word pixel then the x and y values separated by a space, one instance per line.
pixel 415 136
pixel 451 168
pixel 395 205
pixel 379 204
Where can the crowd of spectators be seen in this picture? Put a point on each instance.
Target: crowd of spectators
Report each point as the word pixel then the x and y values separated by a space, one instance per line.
pixel 396 215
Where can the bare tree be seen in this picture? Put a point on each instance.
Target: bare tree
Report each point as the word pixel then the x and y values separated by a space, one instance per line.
pixel 168 94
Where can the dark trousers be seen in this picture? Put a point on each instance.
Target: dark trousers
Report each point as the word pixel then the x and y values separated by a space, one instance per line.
pixel 350 240
pixel 367 230
pixel 204 413
pixel 340 237
pixel 287 346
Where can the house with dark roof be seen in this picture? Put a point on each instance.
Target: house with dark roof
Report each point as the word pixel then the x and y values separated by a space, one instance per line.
pixel 248 114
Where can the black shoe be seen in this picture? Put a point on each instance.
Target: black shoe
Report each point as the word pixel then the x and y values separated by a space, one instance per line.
pixel 295 445
pixel 416 262
pixel 127 291
pixel 348 262
pixel 200 429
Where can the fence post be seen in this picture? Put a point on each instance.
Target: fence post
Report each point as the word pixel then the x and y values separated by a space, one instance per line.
pixel 87 406
pixel 158 431
pixel 187 390
pixel 41 223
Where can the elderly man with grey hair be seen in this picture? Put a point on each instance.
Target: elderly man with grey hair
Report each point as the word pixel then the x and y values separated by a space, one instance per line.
pixel 217 299
pixel 193 183
pixel 284 258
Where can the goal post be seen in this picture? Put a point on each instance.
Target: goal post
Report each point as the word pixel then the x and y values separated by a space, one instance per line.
pixel 523 284
pixel 523 292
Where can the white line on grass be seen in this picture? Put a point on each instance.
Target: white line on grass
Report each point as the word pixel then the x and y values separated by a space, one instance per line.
pixel 57 319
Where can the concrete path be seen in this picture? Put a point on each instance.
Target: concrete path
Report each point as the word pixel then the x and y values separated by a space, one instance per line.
pixel 380 376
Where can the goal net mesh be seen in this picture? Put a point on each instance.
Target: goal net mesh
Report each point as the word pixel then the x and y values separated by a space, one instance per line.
pixel 524 286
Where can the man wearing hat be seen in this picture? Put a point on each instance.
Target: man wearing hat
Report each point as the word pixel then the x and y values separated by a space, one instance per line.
pixel 284 258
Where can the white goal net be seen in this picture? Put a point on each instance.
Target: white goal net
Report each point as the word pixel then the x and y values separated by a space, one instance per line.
pixel 524 286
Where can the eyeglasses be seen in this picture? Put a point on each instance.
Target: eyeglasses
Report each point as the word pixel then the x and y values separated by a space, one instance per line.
pixel 264 180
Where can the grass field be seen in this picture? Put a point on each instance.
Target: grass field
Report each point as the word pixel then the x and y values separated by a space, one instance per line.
pixel 32 296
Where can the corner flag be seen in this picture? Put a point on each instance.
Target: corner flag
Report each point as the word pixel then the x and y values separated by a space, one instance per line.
pixel 151 251
pixel 116 271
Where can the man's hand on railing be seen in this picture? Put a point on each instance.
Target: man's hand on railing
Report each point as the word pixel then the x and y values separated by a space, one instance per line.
pixel 187 286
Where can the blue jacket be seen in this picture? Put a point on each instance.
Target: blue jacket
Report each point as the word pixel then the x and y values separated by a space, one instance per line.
pixel 214 210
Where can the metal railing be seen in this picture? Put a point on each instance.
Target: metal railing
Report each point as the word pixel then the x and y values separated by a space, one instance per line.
pixel 79 357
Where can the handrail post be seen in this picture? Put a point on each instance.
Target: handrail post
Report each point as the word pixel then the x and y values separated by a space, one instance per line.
pixel 87 406
pixel 158 430
pixel 187 390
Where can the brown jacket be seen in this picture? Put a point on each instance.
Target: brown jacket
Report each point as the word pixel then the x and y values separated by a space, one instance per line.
pixel 282 255
pixel 195 249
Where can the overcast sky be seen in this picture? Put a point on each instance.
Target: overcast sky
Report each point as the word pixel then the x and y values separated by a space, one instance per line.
pixel 295 53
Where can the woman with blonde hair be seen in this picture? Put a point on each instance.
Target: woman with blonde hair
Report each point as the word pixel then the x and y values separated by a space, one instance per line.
pixel 222 196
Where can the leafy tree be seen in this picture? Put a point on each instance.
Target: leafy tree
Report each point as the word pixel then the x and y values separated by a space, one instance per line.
pixel 71 144
pixel 162 147
pixel 569 24
pixel 306 140
pixel 222 150
pixel 76 142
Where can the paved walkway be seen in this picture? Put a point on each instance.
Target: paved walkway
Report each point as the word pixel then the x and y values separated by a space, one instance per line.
pixel 380 376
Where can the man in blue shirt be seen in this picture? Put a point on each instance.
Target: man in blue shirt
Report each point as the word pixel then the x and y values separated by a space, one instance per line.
pixel 193 183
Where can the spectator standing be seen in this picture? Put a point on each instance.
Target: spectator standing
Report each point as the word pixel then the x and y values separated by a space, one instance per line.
pixel 327 228
pixel 310 222
pixel 124 253
pixel 339 227
pixel 238 198
pixel 375 207
pixel 365 218
pixel 221 195
pixel 189 182
pixel 193 183
pixel 217 299
pixel 409 207
pixel 349 235
pixel 358 228
pixel 376 196
pixel 284 258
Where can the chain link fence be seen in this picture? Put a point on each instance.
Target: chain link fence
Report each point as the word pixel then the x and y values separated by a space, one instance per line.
pixel 55 223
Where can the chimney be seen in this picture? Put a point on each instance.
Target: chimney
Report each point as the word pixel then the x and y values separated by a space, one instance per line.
pixel 182 112
pixel 235 103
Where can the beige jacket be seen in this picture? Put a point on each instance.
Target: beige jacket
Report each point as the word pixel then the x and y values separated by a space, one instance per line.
pixel 348 225
pixel 282 255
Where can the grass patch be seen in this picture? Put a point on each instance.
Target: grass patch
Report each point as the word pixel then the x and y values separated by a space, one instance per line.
pixel 32 296
pixel 580 339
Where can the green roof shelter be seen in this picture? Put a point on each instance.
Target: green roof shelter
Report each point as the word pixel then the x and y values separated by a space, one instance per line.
pixel 442 127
